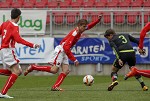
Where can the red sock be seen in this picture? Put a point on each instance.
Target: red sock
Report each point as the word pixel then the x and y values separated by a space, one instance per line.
pixel 41 68
pixel 5 72
pixel 145 73
pixel 60 79
pixel 11 80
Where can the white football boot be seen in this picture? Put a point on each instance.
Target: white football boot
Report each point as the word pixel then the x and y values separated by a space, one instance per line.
pixel 5 96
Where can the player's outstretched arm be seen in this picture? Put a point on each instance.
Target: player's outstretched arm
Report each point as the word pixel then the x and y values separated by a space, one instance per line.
pixel 143 34
pixel 20 40
pixel 92 24
pixel 26 43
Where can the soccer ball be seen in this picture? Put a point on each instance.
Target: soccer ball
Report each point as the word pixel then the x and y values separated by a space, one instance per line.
pixel 88 80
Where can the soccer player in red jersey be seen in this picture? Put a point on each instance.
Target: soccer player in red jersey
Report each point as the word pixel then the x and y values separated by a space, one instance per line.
pixel 62 52
pixel 9 31
pixel 134 71
pixel 143 34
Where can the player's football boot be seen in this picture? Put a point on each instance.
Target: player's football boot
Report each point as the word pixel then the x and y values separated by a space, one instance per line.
pixel 56 89
pixel 5 96
pixel 132 73
pixel 112 85
pixel 145 88
pixel 28 70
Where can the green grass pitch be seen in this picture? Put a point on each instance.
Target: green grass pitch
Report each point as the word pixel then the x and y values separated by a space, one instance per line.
pixel 37 88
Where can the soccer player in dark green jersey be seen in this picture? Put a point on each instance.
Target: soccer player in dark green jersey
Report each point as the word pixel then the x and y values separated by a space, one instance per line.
pixel 121 45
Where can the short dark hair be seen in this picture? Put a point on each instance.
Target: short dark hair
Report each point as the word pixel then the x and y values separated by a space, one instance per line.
pixel 82 22
pixel 15 12
pixel 108 32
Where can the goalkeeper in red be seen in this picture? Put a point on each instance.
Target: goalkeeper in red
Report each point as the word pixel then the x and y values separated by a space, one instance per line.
pixel 134 71
pixel 62 52
pixel 9 31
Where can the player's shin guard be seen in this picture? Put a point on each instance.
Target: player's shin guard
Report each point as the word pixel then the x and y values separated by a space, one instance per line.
pixel 114 76
pixel 59 80
pixel 11 80
pixel 5 72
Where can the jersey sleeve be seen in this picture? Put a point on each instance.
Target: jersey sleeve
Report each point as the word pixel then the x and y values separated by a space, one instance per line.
pixel 132 39
pixel 143 33
pixel 92 24
pixel 0 30
pixel 67 47
pixel 115 49
pixel 20 40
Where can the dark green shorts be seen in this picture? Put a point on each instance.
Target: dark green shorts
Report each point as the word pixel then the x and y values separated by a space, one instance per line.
pixel 126 57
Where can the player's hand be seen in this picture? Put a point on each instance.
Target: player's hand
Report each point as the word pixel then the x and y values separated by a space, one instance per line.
pixel 120 62
pixel 76 62
pixel 100 16
pixel 141 51
pixel 36 46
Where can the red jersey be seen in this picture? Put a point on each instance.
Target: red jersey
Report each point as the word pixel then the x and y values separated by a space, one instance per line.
pixel 71 39
pixel 10 35
pixel 143 33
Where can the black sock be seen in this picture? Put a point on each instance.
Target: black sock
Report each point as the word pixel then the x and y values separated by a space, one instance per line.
pixel 142 84
pixel 139 78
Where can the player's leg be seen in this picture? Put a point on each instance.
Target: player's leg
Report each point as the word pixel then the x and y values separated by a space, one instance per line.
pixel 140 80
pixel 63 74
pixel 115 69
pixel 55 62
pixel 145 73
pixel 134 71
pixel 16 71
pixel 10 62
pixel 131 62
pixel 114 75
pixel 137 74
pixel 61 77
pixel 5 72
pixel 37 68
pixel 131 73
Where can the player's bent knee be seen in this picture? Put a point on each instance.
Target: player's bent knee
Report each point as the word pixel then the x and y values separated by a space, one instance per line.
pixel 54 70
pixel 19 72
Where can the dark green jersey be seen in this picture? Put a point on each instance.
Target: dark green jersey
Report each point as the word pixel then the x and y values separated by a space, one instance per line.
pixel 122 43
